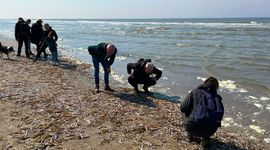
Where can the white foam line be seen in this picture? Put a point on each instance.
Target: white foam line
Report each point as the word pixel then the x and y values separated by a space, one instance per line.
pixel 259 105
pixel 267 140
pixel 268 108
pixel 227 122
pixel 227 85
pixel 121 58
pixel 258 129
pixel 265 98
pixel 253 97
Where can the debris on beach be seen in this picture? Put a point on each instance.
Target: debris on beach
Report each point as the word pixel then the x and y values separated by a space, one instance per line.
pixel 55 107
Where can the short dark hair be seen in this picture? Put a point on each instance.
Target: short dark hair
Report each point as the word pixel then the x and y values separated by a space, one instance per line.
pixel 212 80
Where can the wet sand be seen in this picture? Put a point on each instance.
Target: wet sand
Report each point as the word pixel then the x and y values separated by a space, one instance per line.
pixel 54 107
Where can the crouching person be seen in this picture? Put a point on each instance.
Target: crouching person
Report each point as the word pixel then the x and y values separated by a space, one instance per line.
pixel 203 111
pixel 142 74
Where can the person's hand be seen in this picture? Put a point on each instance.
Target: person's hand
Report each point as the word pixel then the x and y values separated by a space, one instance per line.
pixel 109 69
pixel 154 78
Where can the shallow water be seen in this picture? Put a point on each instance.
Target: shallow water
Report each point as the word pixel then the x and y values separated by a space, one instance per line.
pixel 236 51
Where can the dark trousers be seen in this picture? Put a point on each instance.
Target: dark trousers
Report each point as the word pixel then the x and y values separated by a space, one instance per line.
pixel 148 81
pixel 22 40
pixel 41 49
pixel 37 46
pixel 199 130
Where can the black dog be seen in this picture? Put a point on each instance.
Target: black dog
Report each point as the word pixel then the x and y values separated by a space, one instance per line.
pixel 6 50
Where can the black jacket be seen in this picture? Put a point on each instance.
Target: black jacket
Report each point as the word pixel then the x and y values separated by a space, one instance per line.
pixel 18 29
pixel 25 31
pixel 189 105
pixel 36 33
pixel 99 51
pixel 49 35
pixel 139 69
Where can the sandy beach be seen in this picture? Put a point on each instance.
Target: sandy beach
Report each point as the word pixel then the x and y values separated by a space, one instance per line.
pixel 55 107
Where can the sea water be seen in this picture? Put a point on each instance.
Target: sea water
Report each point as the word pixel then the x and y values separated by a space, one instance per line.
pixel 236 51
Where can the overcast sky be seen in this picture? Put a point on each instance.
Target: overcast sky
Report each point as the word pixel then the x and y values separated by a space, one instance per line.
pixel 134 8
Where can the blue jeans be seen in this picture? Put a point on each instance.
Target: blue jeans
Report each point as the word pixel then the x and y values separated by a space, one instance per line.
pixel 96 72
pixel 52 46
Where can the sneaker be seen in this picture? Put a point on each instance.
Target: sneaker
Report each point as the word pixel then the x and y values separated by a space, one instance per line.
pixel 146 89
pixel 107 88
pixel 55 64
pixel 97 90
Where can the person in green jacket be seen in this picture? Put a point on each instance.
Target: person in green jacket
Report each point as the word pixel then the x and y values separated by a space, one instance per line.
pixel 103 53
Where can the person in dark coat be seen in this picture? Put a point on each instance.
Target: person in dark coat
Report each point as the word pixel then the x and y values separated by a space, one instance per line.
pixel 142 71
pixel 18 27
pixel 49 39
pixel 22 35
pixel 201 129
pixel 19 34
pixel 103 53
pixel 36 33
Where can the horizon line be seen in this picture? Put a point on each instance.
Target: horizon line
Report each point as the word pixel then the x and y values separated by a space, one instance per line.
pixel 144 18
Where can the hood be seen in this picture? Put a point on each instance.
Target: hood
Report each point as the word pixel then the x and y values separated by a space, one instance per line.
pixel 208 87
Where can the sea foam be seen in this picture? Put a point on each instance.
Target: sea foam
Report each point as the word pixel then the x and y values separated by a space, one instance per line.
pixel 228 85
pixel 258 129
pixel 121 58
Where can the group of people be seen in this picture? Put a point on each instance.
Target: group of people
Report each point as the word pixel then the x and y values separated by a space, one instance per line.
pixel 202 108
pixel 41 36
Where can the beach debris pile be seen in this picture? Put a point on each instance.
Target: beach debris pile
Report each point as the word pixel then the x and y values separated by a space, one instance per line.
pixel 55 107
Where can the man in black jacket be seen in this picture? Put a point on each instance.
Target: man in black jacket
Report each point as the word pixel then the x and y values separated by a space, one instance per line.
pixel 103 53
pixel 19 34
pixel 142 71
pixel 36 33
pixel 195 123
pixel 22 35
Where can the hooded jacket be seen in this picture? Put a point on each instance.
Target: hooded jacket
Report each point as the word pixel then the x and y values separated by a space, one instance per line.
pixel 189 105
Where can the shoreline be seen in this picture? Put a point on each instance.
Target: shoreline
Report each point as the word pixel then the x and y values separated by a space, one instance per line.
pixel 43 106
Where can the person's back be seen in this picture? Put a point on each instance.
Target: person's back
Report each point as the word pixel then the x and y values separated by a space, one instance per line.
pixel 36 33
pixel 203 110
pixel 18 29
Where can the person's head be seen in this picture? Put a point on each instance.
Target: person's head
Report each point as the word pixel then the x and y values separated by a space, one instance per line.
pixel 46 27
pixel 20 19
pixel 213 81
pixel 39 21
pixel 28 21
pixel 110 49
pixel 149 67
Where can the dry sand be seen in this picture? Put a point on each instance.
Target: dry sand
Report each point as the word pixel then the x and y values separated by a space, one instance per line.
pixel 48 107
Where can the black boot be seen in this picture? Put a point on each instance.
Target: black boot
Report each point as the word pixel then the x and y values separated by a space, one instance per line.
pixel 108 88
pixel 145 88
